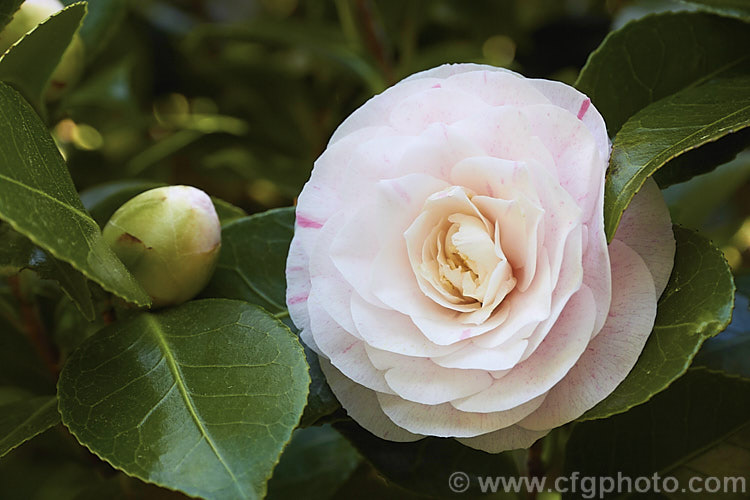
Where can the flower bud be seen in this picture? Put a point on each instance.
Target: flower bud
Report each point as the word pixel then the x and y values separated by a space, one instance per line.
pixel 169 239
pixel 25 19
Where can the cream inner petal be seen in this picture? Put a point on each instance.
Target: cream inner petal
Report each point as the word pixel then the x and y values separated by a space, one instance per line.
pixel 457 255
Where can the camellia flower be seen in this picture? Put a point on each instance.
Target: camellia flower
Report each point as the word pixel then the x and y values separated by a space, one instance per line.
pixel 449 263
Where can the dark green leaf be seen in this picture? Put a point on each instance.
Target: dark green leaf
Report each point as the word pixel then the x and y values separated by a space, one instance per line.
pixel 666 129
pixel 7 9
pixel 38 199
pixel 252 262
pixel 730 350
pixel 314 465
pixel 15 251
pixel 321 402
pixel 425 466
pixel 20 366
pixel 696 305
pixel 201 398
pixel 658 55
pixel 738 8
pixel 22 420
pixel 697 427
pixel 18 252
pixel 100 23
pixel 45 46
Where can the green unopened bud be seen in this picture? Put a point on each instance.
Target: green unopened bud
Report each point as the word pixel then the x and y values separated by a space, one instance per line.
pixel 169 239
pixel 25 19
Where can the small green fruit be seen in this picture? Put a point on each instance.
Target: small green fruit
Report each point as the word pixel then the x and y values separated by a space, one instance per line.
pixel 25 19
pixel 169 239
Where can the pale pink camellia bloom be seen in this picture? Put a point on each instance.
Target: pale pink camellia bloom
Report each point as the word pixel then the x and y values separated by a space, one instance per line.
pixel 449 263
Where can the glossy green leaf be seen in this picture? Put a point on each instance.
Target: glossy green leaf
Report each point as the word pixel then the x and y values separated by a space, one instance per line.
pixel 696 428
pixel 201 398
pixel 252 262
pixel 45 46
pixel 7 9
pixel 425 466
pixel 668 128
pixel 730 350
pixel 22 420
pixel 100 24
pixel 658 55
pixel 38 199
pixel 696 305
pixel 314 465
pixel 738 8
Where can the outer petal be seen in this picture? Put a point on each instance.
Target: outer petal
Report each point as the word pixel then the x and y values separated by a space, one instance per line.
pixel 647 228
pixel 613 353
pixel 446 421
pixel 510 438
pixel 362 405
pixel 580 106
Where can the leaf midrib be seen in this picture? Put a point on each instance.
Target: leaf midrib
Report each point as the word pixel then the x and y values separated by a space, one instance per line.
pixel 66 205
pixel 189 404
pixel 37 412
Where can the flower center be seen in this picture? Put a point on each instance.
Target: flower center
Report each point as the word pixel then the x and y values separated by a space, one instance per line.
pixel 456 254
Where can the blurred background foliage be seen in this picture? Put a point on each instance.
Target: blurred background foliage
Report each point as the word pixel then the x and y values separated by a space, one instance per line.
pixel 240 97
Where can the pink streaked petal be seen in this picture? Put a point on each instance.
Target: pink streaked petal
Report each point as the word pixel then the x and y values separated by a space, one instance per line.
pixel 579 105
pixel 510 438
pixel 444 420
pixel 362 405
pixel 613 353
pixel 579 164
pixel 497 88
pixel 647 228
pixel 547 366
pixel 298 284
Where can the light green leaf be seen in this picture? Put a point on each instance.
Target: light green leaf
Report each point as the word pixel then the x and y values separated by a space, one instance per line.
pixel 7 9
pixel 658 55
pixel 201 398
pixel 668 128
pixel 737 8
pixel 38 199
pixel 252 262
pixel 696 305
pixel 696 428
pixel 302 474
pixel 22 420
pixel 100 24
pixel 45 45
